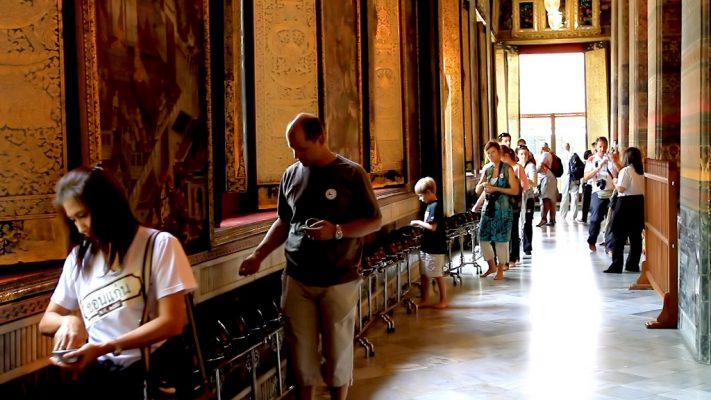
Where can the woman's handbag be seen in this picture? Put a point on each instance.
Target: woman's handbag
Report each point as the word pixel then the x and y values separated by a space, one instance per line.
pixel 174 370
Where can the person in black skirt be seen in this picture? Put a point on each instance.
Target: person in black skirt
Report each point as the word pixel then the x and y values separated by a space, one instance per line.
pixel 628 210
pixel 587 188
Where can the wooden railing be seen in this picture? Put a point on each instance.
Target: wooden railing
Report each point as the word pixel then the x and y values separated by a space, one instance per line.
pixel 660 268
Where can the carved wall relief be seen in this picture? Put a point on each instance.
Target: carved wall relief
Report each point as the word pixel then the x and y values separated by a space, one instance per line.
pixel 32 124
pixel 235 150
pixel 387 145
pixel 146 117
pixel 340 36
pixel 286 82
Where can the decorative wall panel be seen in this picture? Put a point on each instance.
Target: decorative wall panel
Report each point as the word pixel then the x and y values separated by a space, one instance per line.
pixel 146 116
pixel 286 80
pixel 341 43
pixel 387 146
pixel 235 150
pixel 579 18
pixel 452 104
pixel 32 124
pixel 596 102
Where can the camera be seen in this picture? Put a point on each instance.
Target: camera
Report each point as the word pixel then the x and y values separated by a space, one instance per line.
pixel 491 203
pixel 601 184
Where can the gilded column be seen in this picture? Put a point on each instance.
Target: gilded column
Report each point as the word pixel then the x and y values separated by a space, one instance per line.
pixel 623 73
pixel 452 108
pixel 695 214
pixel 638 75
pixel 664 58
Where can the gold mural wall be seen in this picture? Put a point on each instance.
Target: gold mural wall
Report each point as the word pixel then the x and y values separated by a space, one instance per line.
pixel 386 103
pixel 286 82
pixel 32 130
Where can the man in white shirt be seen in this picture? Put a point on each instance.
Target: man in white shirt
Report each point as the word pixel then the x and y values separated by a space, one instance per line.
pixel 601 169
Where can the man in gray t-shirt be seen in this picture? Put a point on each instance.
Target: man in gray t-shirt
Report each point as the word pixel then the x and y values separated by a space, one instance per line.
pixel 326 206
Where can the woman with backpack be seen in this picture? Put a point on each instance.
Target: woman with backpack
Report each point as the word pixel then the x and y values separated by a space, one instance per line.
pixel 508 156
pixel 528 163
pixel 548 187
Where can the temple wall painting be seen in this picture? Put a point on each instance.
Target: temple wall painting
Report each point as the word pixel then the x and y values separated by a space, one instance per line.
pixel 387 147
pixel 285 83
pixel 146 113
pixel 32 130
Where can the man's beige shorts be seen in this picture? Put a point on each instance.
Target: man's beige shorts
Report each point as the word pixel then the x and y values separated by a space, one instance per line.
pixel 320 317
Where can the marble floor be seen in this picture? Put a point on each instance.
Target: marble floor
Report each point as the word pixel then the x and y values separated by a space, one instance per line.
pixel 555 328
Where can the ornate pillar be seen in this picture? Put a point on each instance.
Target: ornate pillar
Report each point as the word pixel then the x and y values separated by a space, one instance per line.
pixel 612 134
pixel 695 215
pixel 454 190
pixel 638 75
pixel 623 73
pixel 664 58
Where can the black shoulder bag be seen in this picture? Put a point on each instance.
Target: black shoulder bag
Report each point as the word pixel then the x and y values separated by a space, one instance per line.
pixel 174 370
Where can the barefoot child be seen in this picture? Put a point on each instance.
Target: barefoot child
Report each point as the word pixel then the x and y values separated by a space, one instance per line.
pixel 434 244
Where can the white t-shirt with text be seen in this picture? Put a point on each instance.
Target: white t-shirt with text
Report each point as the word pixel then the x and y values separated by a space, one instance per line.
pixel 111 303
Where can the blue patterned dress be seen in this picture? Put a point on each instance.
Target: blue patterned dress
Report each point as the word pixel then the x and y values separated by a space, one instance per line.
pixel 498 227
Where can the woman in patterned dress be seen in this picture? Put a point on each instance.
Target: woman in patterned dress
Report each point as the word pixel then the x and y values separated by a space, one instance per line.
pixel 498 181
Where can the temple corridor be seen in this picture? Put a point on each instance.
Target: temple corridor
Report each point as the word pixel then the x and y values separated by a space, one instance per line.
pixel 555 328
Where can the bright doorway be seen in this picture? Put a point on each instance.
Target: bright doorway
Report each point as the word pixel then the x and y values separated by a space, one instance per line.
pixel 552 100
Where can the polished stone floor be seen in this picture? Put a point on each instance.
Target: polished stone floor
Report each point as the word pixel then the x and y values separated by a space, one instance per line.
pixel 555 328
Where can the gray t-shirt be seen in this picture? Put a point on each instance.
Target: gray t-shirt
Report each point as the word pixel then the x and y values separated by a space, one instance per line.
pixel 339 192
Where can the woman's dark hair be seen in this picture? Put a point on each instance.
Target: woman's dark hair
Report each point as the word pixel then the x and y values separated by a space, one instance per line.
pixel 633 157
pixel 509 152
pixel 113 225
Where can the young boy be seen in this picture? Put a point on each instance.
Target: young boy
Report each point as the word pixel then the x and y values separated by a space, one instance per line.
pixel 433 245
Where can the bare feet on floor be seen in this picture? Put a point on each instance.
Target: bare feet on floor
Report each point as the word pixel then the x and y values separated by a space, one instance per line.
pixel 592 247
pixel 488 272
pixel 440 305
